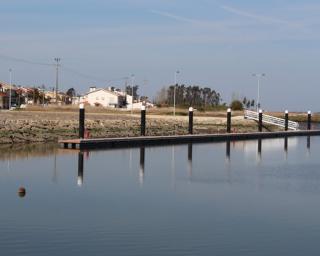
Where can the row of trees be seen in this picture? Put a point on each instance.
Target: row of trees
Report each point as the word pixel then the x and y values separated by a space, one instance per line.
pixel 194 95
pixel 129 91
pixel 247 103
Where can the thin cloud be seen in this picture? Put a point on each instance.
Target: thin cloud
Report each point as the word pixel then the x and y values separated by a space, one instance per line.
pixel 173 16
pixel 188 20
pixel 261 18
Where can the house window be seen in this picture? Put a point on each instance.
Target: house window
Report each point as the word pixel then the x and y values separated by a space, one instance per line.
pixel 97 98
pixel 102 98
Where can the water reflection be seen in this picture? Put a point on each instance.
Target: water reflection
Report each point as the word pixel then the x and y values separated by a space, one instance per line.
pixel 190 160
pixel 173 167
pixel 246 147
pixel 286 144
pixel 82 156
pixel 142 161
pixel 55 173
pixel 80 169
pixel 25 151
pixel 286 147
pixel 117 216
pixel 228 145
pixel 259 150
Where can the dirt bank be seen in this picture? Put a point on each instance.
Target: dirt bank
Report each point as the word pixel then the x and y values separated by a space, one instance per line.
pixel 50 126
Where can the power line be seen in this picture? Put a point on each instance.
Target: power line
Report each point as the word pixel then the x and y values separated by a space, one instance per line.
pixel 65 68
pixel 70 70
pixel 10 58
pixel 98 79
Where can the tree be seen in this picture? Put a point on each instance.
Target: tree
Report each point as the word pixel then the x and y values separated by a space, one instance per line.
pixel 144 98
pixel 161 97
pixel 244 101
pixel 135 91
pixel 192 95
pixel 71 92
pixel 236 105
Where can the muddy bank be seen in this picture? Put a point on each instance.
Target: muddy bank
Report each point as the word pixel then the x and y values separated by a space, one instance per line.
pixel 31 127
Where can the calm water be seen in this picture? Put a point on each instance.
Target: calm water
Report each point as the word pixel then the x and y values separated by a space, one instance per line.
pixel 243 198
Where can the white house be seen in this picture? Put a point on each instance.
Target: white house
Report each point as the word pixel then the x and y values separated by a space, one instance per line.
pixel 104 98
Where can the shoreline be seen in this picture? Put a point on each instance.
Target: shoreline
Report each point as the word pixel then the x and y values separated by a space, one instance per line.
pixel 36 126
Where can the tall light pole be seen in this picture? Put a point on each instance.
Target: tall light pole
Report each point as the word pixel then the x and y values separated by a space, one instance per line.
pixel 174 91
pixel 258 76
pixel 132 84
pixel 10 84
pixel 57 60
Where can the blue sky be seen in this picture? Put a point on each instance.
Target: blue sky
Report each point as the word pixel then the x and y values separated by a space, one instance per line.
pixel 214 43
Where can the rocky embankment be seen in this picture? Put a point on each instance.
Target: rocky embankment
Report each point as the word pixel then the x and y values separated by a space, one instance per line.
pixel 31 126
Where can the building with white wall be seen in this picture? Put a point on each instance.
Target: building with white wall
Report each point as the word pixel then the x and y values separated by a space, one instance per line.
pixel 104 98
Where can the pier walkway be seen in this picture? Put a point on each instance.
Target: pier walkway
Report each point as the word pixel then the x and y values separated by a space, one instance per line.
pixel 178 139
pixel 253 115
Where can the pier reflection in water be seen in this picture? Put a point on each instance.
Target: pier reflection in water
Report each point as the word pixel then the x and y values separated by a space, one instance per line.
pixel 96 204
pixel 246 146
pixel 141 170
pixel 80 169
pixel 190 160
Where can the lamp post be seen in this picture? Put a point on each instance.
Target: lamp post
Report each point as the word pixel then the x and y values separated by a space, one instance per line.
pixel 132 84
pixel 10 84
pixel 258 76
pixel 174 92
pixel 57 60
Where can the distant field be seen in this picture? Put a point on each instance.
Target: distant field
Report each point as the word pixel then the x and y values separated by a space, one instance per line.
pixel 294 116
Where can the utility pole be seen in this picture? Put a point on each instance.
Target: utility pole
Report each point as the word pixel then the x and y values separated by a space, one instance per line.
pixel 258 76
pixel 43 91
pixel 10 83
pixel 132 84
pixel 57 60
pixel 174 91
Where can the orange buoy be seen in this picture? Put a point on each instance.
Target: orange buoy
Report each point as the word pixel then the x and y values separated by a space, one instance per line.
pixel 22 192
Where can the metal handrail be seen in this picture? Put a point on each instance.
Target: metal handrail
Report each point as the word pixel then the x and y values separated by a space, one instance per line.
pixel 270 119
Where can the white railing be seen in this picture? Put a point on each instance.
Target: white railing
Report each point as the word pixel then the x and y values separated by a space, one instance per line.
pixel 253 115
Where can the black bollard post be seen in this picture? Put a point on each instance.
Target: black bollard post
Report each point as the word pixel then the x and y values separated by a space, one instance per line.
pixel 260 120
pixel 80 169
pixel 229 120
pixel 309 120
pixel 190 120
pixel 286 120
pixel 143 121
pixel 81 120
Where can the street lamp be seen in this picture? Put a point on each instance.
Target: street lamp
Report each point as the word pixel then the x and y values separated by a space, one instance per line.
pixel 258 76
pixel 57 60
pixel 132 84
pixel 174 91
pixel 10 84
